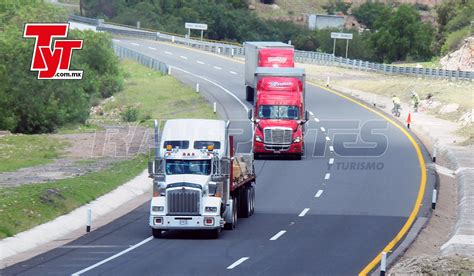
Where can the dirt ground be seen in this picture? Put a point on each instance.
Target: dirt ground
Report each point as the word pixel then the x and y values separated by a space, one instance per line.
pixel 88 152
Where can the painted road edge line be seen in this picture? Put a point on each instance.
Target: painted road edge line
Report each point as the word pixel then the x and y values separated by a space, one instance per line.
pixel 239 261
pixel 114 256
pixel 303 213
pixel 416 207
pixel 319 193
pixel 278 235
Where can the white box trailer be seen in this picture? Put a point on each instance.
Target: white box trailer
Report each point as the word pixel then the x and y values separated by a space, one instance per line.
pixel 265 54
pixel 198 182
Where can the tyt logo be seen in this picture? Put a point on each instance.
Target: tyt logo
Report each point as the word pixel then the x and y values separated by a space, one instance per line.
pixel 52 62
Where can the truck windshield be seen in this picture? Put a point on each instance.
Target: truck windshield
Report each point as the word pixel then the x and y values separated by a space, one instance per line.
pixel 289 112
pixel 202 167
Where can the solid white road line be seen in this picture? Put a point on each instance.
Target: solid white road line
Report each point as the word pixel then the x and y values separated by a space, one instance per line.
pixel 327 176
pixel 114 256
pixel 183 57
pixel 168 53
pixel 279 234
pixel 216 84
pixel 152 48
pixel 331 148
pixel 232 72
pixel 136 44
pixel 217 67
pixel 316 120
pixel 200 62
pixel 331 161
pixel 239 261
pixel 323 129
pixel 319 193
pixel 305 210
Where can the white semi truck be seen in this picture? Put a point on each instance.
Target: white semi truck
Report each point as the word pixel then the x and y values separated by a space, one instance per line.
pixel 198 182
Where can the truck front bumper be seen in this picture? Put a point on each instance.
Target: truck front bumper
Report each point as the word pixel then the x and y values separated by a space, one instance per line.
pixel 185 222
pixel 293 148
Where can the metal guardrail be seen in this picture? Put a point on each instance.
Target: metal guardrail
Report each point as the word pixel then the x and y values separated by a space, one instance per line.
pixel 300 56
pixel 125 53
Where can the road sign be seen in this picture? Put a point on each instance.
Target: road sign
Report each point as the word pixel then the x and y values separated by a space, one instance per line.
pixel 195 26
pixel 341 35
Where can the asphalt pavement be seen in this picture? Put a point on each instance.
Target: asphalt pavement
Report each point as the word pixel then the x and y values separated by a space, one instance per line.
pixel 328 214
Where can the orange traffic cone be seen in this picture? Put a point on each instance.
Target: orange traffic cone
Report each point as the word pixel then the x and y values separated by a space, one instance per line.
pixel 408 119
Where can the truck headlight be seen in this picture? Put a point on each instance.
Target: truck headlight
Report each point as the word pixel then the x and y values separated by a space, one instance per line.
pixel 297 139
pixel 210 209
pixel 258 138
pixel 158 208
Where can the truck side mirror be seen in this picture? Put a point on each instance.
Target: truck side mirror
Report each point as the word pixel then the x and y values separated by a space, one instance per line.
pixel 249 114
pixel 150 169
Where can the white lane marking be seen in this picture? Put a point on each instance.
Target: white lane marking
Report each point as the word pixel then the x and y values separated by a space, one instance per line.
pixel 319 193
pixel 217 67
pixel 305 210
pixel 331 148
pixel 183 57
pixel 279 234
pixel 136 44
pixel 316 120
pixel 311 113
pixel 200 62
pixel 232 72
pixel 331 161
pixel 323 129
pixel 327 176
pixel 168 53
pixel 239 261
pixel 114 256
pixel 216 84
pixel 116 40
pixel 328 139
pixel 152 48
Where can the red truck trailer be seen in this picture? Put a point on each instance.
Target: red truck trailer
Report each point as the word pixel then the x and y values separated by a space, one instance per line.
pixel 264 54
pixel 279 112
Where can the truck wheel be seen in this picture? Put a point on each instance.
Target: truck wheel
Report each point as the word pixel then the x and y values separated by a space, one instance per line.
pixel 215 233
pixel 252 200
pixel 156 233
pixel 245 201
pixel 231 225
pixel 298 156
pixel 256 156
pixel 249 94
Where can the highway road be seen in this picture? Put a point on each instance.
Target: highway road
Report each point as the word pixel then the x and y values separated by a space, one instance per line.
pixel 331 213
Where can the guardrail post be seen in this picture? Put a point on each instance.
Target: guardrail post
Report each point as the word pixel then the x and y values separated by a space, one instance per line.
pixel 89 220
pixel 232 52
pixel 169 70
pixel 433 199
pixel 215 107
pixel 383 263
pixel 197 87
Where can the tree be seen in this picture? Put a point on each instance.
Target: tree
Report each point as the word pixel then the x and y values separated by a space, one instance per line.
pixel 369 12
pixel 400 34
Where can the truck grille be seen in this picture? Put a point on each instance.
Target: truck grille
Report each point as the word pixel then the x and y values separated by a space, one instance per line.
pixel 183 202
pixel 281 136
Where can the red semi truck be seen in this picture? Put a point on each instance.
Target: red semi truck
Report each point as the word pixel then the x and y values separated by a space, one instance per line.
pixel 264 54
pixel 279 112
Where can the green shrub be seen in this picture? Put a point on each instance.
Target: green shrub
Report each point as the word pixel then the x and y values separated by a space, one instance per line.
pixel 130 114
pixel 454 40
